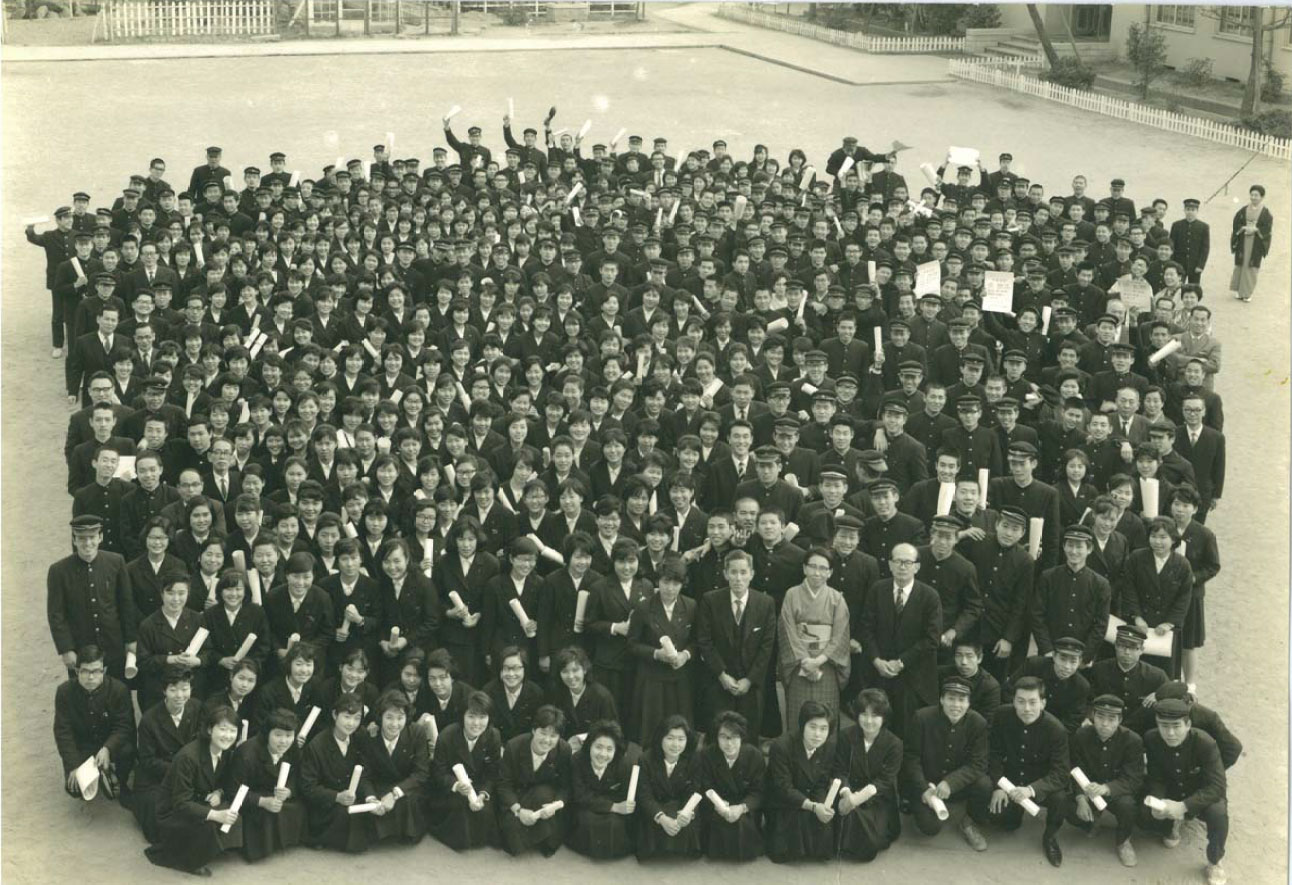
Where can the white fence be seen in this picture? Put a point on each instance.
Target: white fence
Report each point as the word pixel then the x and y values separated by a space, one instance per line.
pixel 125 19
pixel 1158 118
pixel 851 39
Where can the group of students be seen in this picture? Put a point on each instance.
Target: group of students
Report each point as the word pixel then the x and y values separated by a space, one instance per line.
pixel 394 486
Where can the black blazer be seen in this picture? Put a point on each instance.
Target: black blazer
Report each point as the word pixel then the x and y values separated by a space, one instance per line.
pixel 911 638
pixel 744 651
pixel 408 768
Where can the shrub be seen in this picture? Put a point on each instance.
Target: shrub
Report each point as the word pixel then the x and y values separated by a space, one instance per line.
pixel 1070 72
pixel 1276 123
pixel 1272 86
pixel 1146 51
pixel 979 15
pixel 1195 72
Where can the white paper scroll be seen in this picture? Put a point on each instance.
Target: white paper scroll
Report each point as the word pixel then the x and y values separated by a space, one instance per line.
pixel 1046 311
pixel 845 168
pixel 984 477
pixel 308 724
pixel 1035 528
pixel 1150 491
pixel 1027 804
pixel 833 794
pixel 519 610
pixel 583 130
pixel 363 808
pixel 511 108
pixel 946 495
pixel 195 644
pixel 618 135
pixel 871 269
pixel 87 779
pixel 930 173
pixel 453 112
pixel 632 783
pixel 580 610
pixel 718 802
pixel 460 772
pixel 132 665
pixel 284 770
pixel 939 807
pixel 1082 781
pixel 245 648
pixel 692 804
pixel 456 598
pixel 1164 351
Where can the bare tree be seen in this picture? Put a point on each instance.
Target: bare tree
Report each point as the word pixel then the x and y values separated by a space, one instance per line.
pixel 1256 14
pixel 1050 55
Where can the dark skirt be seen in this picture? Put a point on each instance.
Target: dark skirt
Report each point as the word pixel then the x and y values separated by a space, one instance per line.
pixel 144 805
pixel 653 842
pixel 265 832
pixel 868 830
pixel 798 835
pixel 454 823
pixel 601 835
pixel 545 835
pixel 406 821
pixel 1194 632
pixel 188 846
pixel 620 685
pixel 333 827
pixel 742 840
pixel 654 701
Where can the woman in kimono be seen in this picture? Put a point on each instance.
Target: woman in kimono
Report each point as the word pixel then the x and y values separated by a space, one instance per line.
pixel 664 674
pixel 534 786
pixel 1158 590
pixel 463 815
pixel 163 640
pixel 867 760
pixel 396 764
pixel 515 699
pixel 466 570
pixel 297 690
pixel 165 729
pixel 668 781
pixel 734 770
pixel 603 815
pixel 1250 242
pixel 230 622
pixel 1198 546
pixel 581 702
pixel 800 767
pixel 194 802
pixel 327 766
pixel 813 638
pixel 273 816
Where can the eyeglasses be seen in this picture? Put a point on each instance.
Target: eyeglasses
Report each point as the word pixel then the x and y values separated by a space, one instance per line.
pixel 903 561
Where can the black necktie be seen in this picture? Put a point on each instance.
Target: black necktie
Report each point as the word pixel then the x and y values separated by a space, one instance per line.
pixel 899 602
pixel 740 611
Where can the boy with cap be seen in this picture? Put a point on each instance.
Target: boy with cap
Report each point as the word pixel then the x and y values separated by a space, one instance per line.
pixel 945 759
pixel 1204 719
pixel 955 581
pixel 1071 599
pixel 1186 779
pixel 1130 678
pixel 1111 757
pixel 889 527
pixel 1035 498
pixel 89 599
pixel 1191 242
pixel 979 446
pixel 59 245
pixel 1067 691
pixel 1005 575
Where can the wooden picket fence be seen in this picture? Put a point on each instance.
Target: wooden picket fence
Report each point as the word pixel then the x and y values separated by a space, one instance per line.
pixel 1158 118
pixel 141 19
pixel 851 39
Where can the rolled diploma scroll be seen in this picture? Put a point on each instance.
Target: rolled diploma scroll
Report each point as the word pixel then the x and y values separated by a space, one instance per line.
pixel 632 783
pixel 879 340
pixel 809 173
pixel 453 112
pixel 132 665
pixel 292 640
pixel 309 722
pixel 428 554
pixel 364 807
pixel 692 804
pixel 354 778
pixel 1082 781
pixel 984 477
pixel 1035 527
pixel 554 806
pixel 833 794
pixel 871 269
pixel 845 168
pixel 246 726
pixel 394 633
pixel 574 192
pixel 1045 319
pixel 456 598
pixel 865 793
pixel 253 583
pixel 195 645
pixel 666 643
pixel 718 802
pixel 946 494
pixel 511 107
pixel 432 729
pixel 939 807
pixel 580 610
pixel 618 135
pixel 460 772
pixel 1164 351
pixel 284 769
pixel 1155 803
pixel 1150 492
pixel 1027 804
pixel 245 647
pixel 583 130
pixel 236 804
pixel 519 610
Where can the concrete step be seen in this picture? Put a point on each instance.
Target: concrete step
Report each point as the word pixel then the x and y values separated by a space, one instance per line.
pixel 1007 51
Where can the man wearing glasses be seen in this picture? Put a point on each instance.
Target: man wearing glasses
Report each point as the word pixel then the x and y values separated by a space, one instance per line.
pixel 94 719
pixel 901 623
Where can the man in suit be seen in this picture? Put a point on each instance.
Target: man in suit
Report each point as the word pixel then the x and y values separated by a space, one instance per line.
pixel 901 628
pixel 79 426
pixel 1197 342
pixel 91 353
pixel 1128 425
pixel 736 634
pixel 147 275
pixel 723 477
pixel 1205 449
pixel 1191 242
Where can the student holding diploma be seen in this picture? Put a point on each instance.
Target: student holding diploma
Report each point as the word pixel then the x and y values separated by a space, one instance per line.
pixel 298 608
pixel 356 604
pixel 164 730
pixel 165 640
pixel 328 783
pixel 731 771
pixel 464 778
pixel 1158 590
pixel 195 802
pixel 660 637
pixel 511 595
pixel 669 794
pixel 466 572
pixel 867 761
pixel 352 679
pixel 559 610
pixel 396 763
pixel 94 718
pixel 603 794
pixel 297 691
pixel 412 613
pixel 447 698
pixel 534 787
pixel 232 622
pixel 273 814
pixel 1110 759
pixel 800 795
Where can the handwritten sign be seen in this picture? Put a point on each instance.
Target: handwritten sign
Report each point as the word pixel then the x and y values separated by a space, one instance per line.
pixel 998 292
pixel 928 278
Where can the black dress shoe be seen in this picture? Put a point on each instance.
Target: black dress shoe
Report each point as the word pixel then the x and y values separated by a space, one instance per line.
pixel 1053 853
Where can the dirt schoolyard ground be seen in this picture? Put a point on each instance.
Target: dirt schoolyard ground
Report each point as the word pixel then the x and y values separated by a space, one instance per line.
pixel 88 125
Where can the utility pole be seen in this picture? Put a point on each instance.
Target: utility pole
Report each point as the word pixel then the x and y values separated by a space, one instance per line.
pixel 456 6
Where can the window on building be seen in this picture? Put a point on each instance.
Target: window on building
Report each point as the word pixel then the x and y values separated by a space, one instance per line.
pixel 1179 16
pixel 1236 20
